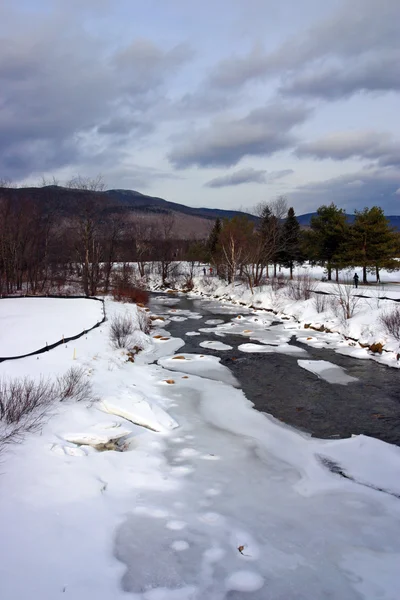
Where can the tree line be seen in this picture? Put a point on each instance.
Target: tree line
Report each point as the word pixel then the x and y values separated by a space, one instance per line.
pixel 45 247
pixel 240 246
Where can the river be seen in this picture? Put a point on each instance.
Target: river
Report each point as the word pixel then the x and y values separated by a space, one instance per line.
pixel 278 386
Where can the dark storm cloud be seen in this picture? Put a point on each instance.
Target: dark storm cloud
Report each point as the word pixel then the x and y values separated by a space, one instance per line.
pixel 225 142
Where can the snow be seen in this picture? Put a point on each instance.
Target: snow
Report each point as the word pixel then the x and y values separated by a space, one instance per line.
pixel 48 320
pixel 363 329
pixel 136 408
pixel 98 435
pixel 281 349
pixel 213 345
pixel 209 499
pixel 326 370
pixel 200 365
pixel 244 581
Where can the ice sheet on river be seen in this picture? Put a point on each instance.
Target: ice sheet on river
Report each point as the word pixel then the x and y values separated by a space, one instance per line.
pixel 326 370
pixel 264 349
pixel 214 345
pixel 201 365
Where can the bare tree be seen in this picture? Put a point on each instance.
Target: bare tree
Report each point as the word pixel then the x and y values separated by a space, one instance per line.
pixel 88 239
pixel 95 184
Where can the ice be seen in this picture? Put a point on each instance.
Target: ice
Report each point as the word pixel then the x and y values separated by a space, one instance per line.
pixel 215 345
pixel 256 509
pixel 281 349
pixel 139 410
pixel 214 322
pixel 326 370
pixel 244 581
pixel 192 333
pixel 367 460
pixel 98 435
pixel 199 364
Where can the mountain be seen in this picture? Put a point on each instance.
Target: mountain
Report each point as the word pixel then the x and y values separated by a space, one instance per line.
pixel 190 221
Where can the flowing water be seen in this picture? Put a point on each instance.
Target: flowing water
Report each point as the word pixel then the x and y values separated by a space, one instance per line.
pixel 278 386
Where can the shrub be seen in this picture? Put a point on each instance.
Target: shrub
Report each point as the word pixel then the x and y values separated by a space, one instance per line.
pixel 23 405
pixel 144 321
pixel 320 302
pixel 278 282
pixel 188 283
pixel 126 287
pixel 121 331
pixel 391 322
pixel 131 294
pixel 345 304
pixel 301 287
pixel 75 385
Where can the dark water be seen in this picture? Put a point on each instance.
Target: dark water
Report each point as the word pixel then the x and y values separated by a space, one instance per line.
pixel 277 385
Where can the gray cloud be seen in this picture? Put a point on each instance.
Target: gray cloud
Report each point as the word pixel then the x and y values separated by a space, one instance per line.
pixel 367 145
pixel 368 74
pixel 356 49
pixel 352 191
pixel 238 177
pixel 247 176
pixel 275 175
pixel 59 87
pixel 225 142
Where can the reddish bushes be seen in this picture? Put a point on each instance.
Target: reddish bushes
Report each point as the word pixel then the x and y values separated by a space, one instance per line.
pixel 130 294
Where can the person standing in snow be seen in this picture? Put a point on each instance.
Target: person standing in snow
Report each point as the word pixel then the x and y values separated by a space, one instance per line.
pixel 204 271
pixel 355 279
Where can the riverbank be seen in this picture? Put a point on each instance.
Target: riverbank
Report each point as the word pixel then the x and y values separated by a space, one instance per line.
pixel 171 486
pixel 318 307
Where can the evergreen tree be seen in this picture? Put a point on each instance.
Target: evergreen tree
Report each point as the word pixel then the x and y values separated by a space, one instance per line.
pixel 213 238
pixel 270 232
pixel 291 251
pixel 329 231
pixel 372 242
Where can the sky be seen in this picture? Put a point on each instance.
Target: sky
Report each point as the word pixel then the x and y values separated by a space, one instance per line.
pixel 217 103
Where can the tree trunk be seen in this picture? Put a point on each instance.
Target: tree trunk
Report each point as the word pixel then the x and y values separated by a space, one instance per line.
pixel 365 274
pixel 275 265
pixel 291 269
pixel 378 280
pixel 337 274
pixel 329 273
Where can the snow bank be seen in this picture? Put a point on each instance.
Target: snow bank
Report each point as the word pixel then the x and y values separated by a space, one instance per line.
pixel 139 410
pixel 28 324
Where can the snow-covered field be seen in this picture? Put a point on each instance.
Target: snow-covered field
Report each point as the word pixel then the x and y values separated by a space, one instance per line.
pixel 28 324
pixel 208 499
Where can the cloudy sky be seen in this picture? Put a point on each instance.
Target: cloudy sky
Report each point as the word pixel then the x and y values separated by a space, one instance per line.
pixel 219 103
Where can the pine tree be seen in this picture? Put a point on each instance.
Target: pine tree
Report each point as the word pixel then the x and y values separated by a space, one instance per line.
pixel 329 231
pixel 291 252
pixel 213 238
pixel 372 243
pixel 270 232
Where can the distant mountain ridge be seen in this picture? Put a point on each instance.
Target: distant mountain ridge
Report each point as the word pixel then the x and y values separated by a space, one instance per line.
pixel 130 201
